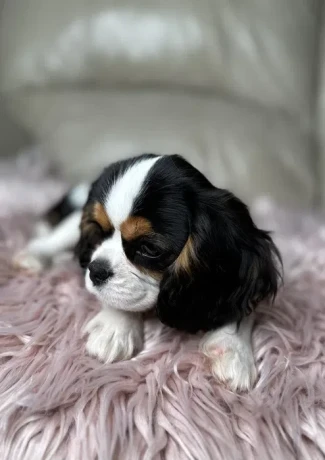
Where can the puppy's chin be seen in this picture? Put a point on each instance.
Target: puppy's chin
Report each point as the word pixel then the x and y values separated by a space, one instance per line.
pixel 137 294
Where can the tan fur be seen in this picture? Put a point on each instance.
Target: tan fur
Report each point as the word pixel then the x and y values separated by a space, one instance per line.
pixel 134 227
pixel 88 228
pixel 187 257
pixel 100 216
pixel 86 218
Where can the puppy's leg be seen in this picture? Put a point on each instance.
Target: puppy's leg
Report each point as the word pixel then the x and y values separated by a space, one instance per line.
pixel 231 355
pixel 114 335
pixel 41 250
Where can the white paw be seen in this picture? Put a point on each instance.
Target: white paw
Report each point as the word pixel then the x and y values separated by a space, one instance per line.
pixel 114 336
pixel 28 261
pixel 231 358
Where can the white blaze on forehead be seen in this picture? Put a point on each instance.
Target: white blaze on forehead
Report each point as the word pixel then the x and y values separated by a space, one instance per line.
pixel 122 195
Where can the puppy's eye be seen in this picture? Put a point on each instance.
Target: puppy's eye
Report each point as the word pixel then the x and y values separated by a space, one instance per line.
pixel 149 251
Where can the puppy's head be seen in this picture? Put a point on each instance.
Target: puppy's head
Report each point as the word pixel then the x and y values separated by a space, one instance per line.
pixel 155 232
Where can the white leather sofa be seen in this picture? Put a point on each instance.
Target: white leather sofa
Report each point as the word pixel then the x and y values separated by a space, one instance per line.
pixel 238 87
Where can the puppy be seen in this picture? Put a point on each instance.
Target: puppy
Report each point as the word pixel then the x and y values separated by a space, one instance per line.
pixel 153 232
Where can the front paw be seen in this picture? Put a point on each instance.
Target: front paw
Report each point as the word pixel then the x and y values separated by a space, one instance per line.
pixel 232 361
pixel 33 258
pixel 114 336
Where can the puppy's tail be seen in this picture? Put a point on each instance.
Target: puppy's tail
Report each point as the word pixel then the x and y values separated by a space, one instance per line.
pixel 73 201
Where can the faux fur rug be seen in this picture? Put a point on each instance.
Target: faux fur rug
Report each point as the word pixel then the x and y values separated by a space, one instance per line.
pixel 58 403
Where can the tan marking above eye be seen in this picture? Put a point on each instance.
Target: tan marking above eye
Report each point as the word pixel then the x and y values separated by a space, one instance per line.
pixel 99 214
pixel 186 258
pixel 134 227
pixel 86 217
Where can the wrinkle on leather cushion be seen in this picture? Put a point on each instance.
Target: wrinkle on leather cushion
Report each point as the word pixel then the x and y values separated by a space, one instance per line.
pixel 257 49
pixel 320 117
pixel 250 150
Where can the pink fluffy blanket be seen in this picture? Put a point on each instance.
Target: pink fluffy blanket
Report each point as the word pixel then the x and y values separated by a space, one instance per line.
pixel 58 403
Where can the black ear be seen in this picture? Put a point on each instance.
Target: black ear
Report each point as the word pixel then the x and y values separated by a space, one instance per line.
pixel 227 267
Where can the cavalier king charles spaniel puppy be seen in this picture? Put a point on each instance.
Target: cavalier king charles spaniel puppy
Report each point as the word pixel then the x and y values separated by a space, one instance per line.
pixel 153 233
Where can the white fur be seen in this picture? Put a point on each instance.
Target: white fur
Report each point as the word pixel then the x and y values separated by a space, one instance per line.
pixel 49 243
pixel 41 250
pixel 128 289
pixel 231 355
pixel 122 195
pixel 114 335
pixel 116 332
pixel 78 195
pixel 41 229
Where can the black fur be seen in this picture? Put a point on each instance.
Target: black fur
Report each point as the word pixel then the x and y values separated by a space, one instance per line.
pixel 102 185
pixel 91 234
pixel 88 241
pixel 235 267
pixel 62 209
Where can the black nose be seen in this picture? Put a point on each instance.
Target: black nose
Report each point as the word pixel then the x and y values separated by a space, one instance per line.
pixel 99 271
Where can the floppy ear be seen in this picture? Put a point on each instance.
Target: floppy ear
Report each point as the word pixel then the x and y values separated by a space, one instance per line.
pixel 91 234
pixel 225 269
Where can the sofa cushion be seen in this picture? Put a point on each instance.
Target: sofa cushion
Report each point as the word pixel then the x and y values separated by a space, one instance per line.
pixel 261 50
pixel 250 150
